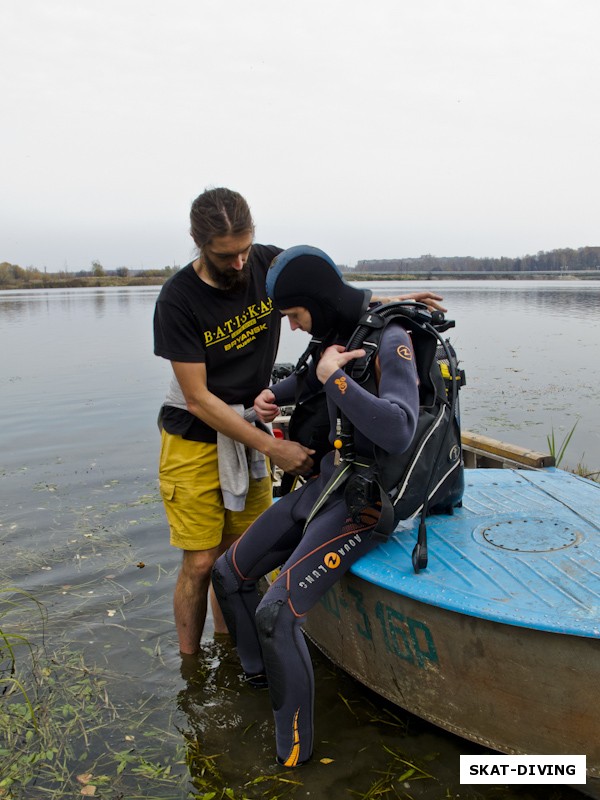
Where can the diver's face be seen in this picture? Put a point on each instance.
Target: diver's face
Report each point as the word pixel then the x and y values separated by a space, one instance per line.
pixel 299 318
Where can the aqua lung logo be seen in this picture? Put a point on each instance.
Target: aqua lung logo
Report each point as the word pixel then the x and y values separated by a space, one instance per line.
pixel 454 454
pixel 341 384
pixel 331 560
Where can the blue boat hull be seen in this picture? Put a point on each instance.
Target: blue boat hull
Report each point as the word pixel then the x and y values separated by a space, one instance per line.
pixel 498 639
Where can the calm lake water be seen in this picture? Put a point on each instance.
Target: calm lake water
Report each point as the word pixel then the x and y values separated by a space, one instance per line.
pixel 82 531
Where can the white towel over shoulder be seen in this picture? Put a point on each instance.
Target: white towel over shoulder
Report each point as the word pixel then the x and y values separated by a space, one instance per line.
pixel 234 475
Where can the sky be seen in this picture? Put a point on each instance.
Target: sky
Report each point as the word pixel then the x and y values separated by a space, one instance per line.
pixel 369 128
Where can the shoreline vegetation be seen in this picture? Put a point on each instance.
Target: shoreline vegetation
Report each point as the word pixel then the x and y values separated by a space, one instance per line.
pixel 564 264
pixel 54 282
pixel 30 278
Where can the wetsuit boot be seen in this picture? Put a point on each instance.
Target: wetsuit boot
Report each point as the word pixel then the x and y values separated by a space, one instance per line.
pixel 291 680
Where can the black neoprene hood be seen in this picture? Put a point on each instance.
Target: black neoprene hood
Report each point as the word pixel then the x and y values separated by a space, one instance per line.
pixel 306 276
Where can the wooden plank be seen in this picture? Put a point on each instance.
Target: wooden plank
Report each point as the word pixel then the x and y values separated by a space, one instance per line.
pixel 503 451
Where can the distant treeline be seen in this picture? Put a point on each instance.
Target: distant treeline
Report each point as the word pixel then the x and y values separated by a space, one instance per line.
pixel 585 258
pixel 554 261
pixel 15 277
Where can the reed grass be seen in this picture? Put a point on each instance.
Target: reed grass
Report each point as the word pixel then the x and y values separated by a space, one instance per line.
pixel 394 781
pixel 63 735
pixel 58 722
pixel 556 450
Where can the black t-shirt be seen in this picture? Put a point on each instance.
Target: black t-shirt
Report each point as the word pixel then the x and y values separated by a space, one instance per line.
pixel 235 333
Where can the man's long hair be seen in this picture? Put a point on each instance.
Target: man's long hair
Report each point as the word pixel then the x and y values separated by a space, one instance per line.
pixel 219 212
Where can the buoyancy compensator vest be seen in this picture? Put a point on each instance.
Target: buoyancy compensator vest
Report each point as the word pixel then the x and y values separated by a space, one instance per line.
pixel 428 477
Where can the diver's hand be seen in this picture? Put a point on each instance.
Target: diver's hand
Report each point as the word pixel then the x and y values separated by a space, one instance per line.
pixel 265 407
pixel 335 357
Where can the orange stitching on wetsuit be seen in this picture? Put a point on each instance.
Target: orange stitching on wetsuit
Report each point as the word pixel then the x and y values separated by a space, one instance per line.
pixel 234 562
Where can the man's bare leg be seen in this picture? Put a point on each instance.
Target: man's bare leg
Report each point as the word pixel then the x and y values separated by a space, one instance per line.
pixel 190 598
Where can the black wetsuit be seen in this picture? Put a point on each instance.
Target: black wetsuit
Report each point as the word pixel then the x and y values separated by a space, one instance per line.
pixel 268 633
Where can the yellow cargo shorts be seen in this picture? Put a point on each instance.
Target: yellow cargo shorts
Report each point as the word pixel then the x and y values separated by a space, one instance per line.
pixel 191 494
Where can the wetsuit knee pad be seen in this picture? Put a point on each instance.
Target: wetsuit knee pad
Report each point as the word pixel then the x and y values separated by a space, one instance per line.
pixel 269 619
pixel 224 577
pixel 224 583
pixel 266 619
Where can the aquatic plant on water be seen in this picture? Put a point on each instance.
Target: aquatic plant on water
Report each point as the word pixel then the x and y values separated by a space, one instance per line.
pixel 59 727
pixel 9 642
pixel 62 734
pixel 558 451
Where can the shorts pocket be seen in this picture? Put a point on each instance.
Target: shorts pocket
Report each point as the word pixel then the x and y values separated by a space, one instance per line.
pixel 167 490
pixel 195 517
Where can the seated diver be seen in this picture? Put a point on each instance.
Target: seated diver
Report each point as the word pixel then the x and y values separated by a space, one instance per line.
pixel 307 287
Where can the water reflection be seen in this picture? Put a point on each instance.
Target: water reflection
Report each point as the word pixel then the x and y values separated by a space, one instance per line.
pixel 580 298
pixel 124 300
pixel 74 300
pixel 555 302
pixel 364 746
pixel 229 731
pixel 527 348
pixel 99 304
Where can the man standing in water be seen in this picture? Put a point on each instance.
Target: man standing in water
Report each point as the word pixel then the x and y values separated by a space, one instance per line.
pixel 216 324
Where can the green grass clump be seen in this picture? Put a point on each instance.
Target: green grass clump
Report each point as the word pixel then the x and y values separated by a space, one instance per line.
pixel 556 450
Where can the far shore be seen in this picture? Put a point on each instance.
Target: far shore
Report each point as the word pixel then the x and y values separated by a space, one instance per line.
pixel 47 282
pixel 85 282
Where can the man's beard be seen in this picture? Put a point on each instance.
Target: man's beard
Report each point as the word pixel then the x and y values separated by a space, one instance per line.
pixel 230 280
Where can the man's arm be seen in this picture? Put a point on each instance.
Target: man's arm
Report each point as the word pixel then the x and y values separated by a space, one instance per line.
pixel 430 299
pixel 202 403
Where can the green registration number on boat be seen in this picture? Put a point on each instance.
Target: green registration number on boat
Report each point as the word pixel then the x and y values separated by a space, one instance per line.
pixel 403 636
